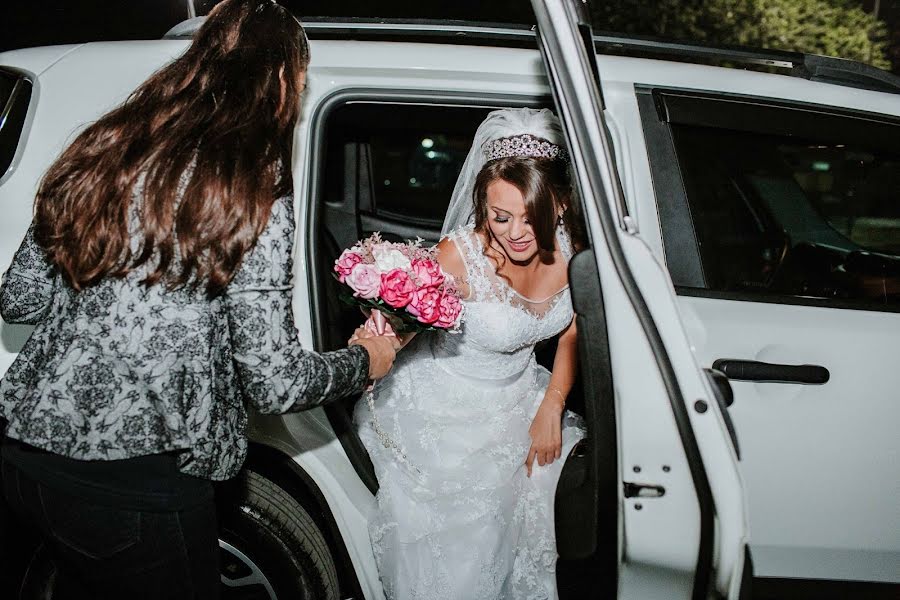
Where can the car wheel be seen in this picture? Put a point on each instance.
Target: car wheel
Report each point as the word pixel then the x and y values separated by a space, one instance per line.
pixel 270 547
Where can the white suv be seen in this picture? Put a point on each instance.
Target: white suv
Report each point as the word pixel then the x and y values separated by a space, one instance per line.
pixel 742 222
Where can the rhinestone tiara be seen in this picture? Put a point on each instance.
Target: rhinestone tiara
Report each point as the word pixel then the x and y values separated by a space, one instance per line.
pixel 523 145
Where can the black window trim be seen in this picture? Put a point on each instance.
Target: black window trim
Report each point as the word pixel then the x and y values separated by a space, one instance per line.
pixel 773 117
pixel 772 298
pixel 24 78
pixel 681 247
pixel 680 244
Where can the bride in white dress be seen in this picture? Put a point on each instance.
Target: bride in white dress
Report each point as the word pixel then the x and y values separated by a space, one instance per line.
pixel 468 430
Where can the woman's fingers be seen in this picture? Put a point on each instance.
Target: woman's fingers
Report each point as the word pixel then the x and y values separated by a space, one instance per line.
pixel 360 333
pixel 547 454
pixel 544 454
pixel 532 453
pixel 363 333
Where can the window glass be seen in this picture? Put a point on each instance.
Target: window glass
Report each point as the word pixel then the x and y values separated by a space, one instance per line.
pixel 13 110
pixel 782 215
pixel 414 171
pixel 400 161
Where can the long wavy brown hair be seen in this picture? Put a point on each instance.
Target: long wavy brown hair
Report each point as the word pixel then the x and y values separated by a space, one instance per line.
pixel 210 134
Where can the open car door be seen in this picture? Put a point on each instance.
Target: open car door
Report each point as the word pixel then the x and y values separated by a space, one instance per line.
pixel 651 504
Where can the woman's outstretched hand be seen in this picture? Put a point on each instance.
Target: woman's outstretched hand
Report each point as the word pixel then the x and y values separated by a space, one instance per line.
pixel 382 351
pixel 402 339
pixel 546 433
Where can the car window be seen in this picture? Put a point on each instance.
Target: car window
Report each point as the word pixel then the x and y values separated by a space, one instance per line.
pixel 407 157
pixel 802 217
pixel 414 172
pixel 15 94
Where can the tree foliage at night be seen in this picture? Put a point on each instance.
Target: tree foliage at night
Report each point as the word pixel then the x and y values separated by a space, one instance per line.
pixel 831 27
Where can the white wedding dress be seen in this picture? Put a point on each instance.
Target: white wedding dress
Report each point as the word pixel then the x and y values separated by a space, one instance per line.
pixel 457 517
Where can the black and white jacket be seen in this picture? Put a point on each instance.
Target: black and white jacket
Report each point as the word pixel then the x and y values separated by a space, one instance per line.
pixel 120 369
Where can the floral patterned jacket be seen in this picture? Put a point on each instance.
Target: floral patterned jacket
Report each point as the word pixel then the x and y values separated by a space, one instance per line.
pixel 121 370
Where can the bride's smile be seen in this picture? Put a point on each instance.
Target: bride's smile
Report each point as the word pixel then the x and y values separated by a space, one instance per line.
pixel 509 223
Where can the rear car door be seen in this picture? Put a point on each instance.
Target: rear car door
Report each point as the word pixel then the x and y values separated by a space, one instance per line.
pixel 667 518
pixel 781 228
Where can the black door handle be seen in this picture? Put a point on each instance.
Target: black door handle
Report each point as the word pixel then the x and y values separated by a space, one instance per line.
pixel 752 370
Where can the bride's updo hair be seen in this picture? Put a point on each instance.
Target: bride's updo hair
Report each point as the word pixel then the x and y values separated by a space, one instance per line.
pixel 545 185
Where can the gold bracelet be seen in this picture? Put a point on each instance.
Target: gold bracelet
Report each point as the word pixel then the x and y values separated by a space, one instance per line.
pixel 561 395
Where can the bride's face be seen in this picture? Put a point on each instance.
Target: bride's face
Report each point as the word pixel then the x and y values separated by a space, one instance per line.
pixel 508 221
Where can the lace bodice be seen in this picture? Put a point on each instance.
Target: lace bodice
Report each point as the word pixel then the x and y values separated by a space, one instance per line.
pixel 500 326
pixel 448 434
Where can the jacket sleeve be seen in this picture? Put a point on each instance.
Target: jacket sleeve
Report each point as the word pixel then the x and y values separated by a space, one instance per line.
pixel 26 290
pixel 276 373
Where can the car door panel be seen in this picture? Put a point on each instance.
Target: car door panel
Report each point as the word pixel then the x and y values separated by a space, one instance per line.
pixel 813 454
pixel 668 429
pixel 581 496
pixel 814 373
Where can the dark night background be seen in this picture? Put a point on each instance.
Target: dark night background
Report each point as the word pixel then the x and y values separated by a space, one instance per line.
pixel 831 29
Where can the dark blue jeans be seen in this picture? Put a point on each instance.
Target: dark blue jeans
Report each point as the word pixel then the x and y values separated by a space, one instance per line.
pixel 102 552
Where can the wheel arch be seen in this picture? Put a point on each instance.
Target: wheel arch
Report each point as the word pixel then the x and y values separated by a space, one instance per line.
pixel 282 470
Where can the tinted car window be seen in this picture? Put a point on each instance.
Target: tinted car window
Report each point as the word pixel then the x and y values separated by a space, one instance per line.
pixel 15 94
pixel 410 156
pixel 414 172
pixel 781 215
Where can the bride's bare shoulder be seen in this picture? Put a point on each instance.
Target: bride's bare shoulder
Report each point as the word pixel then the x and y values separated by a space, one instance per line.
pixel 450 259
pixel 452 263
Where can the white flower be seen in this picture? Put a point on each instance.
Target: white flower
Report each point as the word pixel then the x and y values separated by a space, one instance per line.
pixel 388 259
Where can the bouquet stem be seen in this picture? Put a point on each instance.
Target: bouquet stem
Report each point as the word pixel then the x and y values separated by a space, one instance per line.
pixel 378 324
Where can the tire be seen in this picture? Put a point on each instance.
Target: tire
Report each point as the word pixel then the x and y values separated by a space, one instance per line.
pixel 270 547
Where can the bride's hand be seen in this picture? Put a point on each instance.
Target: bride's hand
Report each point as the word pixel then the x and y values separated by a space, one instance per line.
pixel 546 433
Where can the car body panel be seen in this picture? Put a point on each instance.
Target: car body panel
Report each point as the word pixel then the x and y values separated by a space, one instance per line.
pixel 812 454
pixel 714 483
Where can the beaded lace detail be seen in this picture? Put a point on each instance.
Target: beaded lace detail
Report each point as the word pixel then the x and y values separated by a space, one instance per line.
pixel 488 286
pixel 456 516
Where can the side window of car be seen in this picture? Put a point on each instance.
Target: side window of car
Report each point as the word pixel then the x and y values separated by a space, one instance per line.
pixel 400 161
pixel 414 172
pixel 811 212
pixel 15 95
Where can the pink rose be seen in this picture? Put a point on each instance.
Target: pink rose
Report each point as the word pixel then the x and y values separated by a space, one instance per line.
pixel 397 288
pixel 427 273
pixel 365 281
pixel 425 305
pixel 345 263
pixel 449 309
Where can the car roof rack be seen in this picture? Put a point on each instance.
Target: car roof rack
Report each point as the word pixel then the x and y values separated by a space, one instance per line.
pixel 826 69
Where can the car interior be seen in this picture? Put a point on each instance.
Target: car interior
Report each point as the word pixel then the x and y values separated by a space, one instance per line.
pixel 792 216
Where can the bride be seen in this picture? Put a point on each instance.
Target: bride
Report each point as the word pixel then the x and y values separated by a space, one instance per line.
pixel 468 430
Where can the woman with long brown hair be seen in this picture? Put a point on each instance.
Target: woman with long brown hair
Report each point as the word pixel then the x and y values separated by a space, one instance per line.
pixel 158 274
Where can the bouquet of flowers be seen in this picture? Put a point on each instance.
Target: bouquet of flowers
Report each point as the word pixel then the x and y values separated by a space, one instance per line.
pixel 401 284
